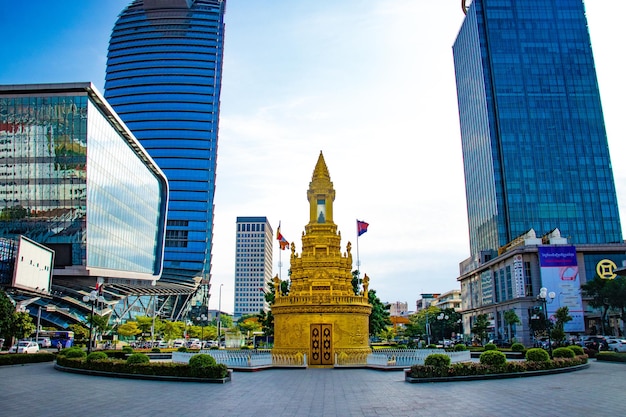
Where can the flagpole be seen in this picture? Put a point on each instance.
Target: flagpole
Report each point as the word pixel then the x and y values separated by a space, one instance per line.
pixel 280 257
pixel 358 261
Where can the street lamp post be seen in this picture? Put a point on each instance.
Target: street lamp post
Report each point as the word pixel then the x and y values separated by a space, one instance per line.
pixel 92 298
pixel 441 317
pixel 201 319
pixel 219 319
pixel 543 298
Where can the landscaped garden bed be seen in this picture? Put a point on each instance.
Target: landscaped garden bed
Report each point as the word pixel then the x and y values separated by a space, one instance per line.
pixel 201 369
pixel 493 364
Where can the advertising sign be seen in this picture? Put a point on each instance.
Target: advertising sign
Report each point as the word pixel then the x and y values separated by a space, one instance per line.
pixel 559 274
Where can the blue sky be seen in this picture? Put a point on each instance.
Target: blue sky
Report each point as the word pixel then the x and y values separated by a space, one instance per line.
pixel 369 83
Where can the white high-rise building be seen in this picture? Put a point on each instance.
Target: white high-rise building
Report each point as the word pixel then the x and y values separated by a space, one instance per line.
pixel 253 265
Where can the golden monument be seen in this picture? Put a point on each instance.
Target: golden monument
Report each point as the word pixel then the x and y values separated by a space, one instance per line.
pixel 322 317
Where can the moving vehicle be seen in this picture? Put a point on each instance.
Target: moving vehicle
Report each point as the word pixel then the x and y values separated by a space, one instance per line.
pixel 25 346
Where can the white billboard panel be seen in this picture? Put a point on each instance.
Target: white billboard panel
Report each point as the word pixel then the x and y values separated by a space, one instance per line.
pixel 33 266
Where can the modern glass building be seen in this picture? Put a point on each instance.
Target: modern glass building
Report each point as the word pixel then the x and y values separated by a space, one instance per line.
pixel 163 78
pixel 253 265
pixel 74 179
pixel 534 143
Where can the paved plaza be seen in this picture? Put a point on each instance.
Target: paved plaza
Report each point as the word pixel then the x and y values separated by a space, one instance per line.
pixel 39 390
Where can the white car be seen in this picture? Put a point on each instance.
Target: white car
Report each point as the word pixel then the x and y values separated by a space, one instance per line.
pixel 25 346
pixel 617 345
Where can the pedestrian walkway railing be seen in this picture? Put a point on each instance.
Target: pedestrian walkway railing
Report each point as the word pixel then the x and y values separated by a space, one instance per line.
pixel 387 358
pixel 408 357
pixel 246 358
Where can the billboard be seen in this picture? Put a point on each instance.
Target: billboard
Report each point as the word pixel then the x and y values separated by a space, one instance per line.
pixel 559 274
pixel 33 266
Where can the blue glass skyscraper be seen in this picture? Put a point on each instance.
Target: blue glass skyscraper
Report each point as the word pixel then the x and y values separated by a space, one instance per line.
pixel 163 78
pixel 534 143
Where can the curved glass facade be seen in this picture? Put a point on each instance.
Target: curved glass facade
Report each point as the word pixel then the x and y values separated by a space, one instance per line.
pixel 534 142
pixel 72 180
pixel 163 78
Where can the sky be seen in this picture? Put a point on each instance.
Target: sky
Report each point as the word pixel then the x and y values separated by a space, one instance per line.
pixel 369 83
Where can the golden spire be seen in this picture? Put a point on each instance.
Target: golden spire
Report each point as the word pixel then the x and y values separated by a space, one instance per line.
pixel 321 194
pixel 320 173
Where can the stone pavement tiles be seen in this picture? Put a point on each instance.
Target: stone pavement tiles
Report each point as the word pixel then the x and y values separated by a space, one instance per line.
pixel 39 390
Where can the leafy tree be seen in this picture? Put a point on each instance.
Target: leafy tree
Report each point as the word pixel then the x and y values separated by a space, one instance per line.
pixel 80 331
pixel 562 317
pixel 511 318
pixel 7 316
pixel 599 292
pixel 481 324
pixel 617 298
pixel 267 322
pixel 379 319
pixel 128 329
pixel 387 334
pixel 12 323
pixel 247 324
pixel 22 325
pixel 173 329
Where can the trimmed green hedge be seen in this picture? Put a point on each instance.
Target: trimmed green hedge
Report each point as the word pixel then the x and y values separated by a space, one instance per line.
pixel 611 357
pixel 473 368
pixel 153 368
pixel 437 359
pixel 493 358
pixel 20 358
pixel 537 355
pixel 517 347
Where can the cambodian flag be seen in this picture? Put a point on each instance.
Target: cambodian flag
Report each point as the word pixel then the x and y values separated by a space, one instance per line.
pixel 361 227
pixel 281 239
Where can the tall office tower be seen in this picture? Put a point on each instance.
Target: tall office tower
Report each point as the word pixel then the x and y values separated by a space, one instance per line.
pixel 534 142
pixel 163 77
pixel 253 265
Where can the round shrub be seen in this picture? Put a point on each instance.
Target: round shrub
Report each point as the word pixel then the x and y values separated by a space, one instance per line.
pixel 438 360
pixel 432 346
pixel 74 352
pixel 537 355
pixel 201 360
pixel 578 350
pixel 460 347
pixel 97 356
pixel 492 358
pixel 517 347
pixel 490 346
pixel 127 349
pixel 563 352
pixel 182 349
pixel 155 350
pixel 138 358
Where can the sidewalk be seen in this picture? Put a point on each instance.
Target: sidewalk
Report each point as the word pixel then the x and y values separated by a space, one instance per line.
pixel 39 390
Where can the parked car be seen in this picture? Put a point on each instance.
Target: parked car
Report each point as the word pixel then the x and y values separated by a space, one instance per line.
pixel 597 343
pixel 195 345
pixel 25 346
pixel 501 343
pixel 617 345
pixel 163 344
pixel 44 342
pixel 178 343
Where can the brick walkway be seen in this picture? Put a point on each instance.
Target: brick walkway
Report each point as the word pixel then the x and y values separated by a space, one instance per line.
pixel 39 390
